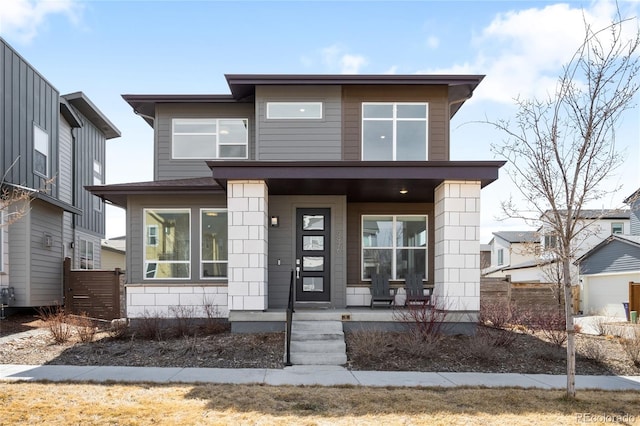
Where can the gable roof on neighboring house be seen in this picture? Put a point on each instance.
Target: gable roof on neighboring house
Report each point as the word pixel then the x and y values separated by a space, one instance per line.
pixel 633 197
pixel 616 253
pixel 601 213
pixel 518 236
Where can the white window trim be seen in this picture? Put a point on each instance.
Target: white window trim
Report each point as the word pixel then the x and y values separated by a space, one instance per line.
pixel 97 180
pixel 301 103
pixel 393 249
pixel 618 224
pixel 148 228
pixel 146 262
pixel 395 120
pixel 217 141
pixel 36 127
pixel 93 253
pixel 202 277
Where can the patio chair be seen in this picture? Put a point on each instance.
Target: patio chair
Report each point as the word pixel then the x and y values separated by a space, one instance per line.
pixel 381 294
pixel 415 291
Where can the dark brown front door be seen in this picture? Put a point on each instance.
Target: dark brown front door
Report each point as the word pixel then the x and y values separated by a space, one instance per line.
pixel 313 255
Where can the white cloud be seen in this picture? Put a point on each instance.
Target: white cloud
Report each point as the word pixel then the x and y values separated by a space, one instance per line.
pixel 22 19
pixel 433 42
pixel 335 57
pixel 522 52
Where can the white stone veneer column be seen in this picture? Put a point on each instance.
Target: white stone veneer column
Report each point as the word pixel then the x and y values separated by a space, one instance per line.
pixel 247 206
pixel 457 245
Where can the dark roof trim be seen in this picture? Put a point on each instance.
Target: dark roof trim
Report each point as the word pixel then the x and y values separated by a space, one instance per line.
pixel 69 114
pixel 177 98
pixel 626 239
pixel 633 197
pixel 117 193
pixel 485 171
pixel 80 101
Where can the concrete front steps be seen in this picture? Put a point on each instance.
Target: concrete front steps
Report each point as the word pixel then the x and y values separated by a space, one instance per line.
pixel 317 343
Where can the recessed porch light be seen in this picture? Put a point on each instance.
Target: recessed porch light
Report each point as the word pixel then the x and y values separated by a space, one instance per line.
pixel 403 191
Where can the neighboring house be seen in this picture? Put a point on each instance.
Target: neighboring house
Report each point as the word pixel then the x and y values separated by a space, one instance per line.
pixel 511 251
pixel 599 224
pixel 607 269
pixel 334 177
pixel 485 256
pixel 113 253
pixel 52 146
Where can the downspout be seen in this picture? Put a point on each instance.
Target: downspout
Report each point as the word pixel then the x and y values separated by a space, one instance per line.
pixel 74 193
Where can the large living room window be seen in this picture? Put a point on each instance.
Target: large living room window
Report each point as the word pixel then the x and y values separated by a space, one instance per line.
pixel 394 131
pixel 210 138
pixel 394 245
pixel 213 243
pixel 167 254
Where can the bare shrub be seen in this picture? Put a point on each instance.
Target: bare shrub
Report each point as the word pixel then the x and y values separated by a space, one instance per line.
pixel 600 325
pixel 56 321
pixel 414 344
pixel 214 323
pixel 369 346
pixel 84 327
pixel 494 314
pixel 496 337
pixel 118 328
pixel 184 320
pixel 481 347
pixel 151 326
pixel 594 350
pixel 552 325
pixel 426 322
pixel 631 347
pixel 549 353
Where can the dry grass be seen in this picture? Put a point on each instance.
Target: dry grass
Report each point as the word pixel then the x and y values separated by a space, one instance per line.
pixel 143 404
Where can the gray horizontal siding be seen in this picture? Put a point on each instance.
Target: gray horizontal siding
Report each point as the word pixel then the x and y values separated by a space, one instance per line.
pixel 319 139
pixel 282 246
pixel 19 243
pixel 635 218
pixel 613 257
pixel 167 168
pixel 46 262
pixel 65 178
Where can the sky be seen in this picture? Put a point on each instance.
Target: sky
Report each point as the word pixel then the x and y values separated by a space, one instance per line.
pixel 109 48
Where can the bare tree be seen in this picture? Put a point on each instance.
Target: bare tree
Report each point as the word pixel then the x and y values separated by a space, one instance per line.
pixel 14 200
pixel 562 149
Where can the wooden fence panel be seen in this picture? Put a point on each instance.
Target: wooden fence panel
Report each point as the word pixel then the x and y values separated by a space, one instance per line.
pixel 526 295
pixel 94 292
pixel 634 296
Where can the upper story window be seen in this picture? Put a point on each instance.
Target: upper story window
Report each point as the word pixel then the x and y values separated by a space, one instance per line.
pixel 210 138
pixel 40 151
pixel 500 257
pixel 617 228
pixel 294 110
pixel 86 254
pixel 394 131
pixel 550 242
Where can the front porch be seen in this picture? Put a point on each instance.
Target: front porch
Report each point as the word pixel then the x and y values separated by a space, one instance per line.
pixel 352 318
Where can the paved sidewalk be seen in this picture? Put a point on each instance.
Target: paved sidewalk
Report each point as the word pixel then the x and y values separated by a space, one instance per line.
pixel 307 375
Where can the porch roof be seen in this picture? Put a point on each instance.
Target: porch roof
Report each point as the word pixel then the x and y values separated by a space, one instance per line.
pixel 372 181
pixel 117 193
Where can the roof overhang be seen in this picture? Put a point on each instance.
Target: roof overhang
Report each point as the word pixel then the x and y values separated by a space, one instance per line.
pixel 117 194
pixel 371 181
pixel 40 195
pixel 461 87
pixel 83 104
pixel 69 114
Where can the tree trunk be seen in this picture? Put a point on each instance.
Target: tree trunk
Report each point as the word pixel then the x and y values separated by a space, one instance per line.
pixel 571 342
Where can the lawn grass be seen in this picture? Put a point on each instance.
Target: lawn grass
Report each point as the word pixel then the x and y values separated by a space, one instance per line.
pixel 144 404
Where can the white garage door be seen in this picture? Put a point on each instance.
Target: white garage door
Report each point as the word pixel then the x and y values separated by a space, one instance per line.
pixel 604 294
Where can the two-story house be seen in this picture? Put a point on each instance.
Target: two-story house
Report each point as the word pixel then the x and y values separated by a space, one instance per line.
pixel 608 267
pixel 514 253
pixel 52 146
pixel 333 177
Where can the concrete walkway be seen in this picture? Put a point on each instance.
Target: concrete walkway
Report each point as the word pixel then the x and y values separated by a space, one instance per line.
pixel 306 375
